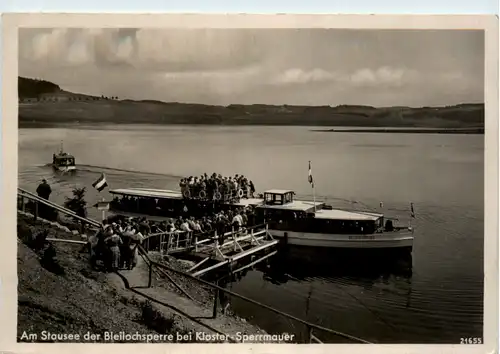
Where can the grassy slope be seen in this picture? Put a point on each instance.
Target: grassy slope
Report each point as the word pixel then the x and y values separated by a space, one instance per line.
pixel 70 297
pixel 90 109
pixel 74 300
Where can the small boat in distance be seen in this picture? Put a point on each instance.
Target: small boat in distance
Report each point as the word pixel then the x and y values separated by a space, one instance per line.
pixel 63 162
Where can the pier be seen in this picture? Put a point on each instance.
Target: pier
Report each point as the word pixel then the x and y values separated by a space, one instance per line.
pixel 216 251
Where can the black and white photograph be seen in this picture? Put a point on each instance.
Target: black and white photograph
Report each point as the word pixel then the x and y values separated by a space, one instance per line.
pixel 250 184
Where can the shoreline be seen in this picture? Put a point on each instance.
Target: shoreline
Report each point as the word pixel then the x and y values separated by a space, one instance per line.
pixel 466 131
pixel 327 129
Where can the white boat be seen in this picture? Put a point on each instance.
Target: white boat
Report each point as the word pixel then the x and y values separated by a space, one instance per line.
pixel 63 162
pixel 314 224
pixel 297 222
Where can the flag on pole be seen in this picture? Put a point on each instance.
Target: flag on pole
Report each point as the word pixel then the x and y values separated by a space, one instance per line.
pixel 101 183
pixel 310 178
pixel 412 210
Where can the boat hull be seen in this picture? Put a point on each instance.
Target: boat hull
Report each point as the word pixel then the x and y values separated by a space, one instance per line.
pixel 64 168
pixel 388 240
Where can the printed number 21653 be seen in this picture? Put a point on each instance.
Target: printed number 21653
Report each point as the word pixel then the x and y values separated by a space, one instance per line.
pixel 473 340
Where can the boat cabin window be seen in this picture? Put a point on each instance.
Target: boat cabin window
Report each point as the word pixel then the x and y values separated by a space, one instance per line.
pixel 278 198
pixel 65 161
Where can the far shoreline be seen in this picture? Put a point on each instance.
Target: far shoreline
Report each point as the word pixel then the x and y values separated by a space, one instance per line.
pixel 327 129
pixel 467 131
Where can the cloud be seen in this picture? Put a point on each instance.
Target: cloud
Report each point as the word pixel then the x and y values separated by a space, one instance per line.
pixel 380 77
pixel 300 76
pixel 220 66
pixel 383 76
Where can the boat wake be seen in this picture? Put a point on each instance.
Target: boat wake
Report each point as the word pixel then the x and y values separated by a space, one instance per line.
pixel 99 169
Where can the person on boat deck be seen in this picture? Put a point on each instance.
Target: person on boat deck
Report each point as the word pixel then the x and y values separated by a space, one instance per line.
pixel 203 186
pixel 244 218
pixel 252 189
pixel 184 226
pixel 237 222
pixel 197 227
pixel 183 185
pixel 190 222
pixel 44 190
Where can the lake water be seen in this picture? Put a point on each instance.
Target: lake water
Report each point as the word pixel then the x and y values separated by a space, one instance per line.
pixel 439 300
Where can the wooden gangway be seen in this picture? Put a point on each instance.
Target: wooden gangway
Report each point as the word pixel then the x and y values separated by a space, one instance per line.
pixel 213 250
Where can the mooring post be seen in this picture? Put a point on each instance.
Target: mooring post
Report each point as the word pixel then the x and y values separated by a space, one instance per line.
pixel 216 301
pixel 150 280
pixel 216 246
pixel 36 210
pixel 310 334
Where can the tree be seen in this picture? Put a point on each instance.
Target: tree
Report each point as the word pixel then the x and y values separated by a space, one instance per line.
pixel 77 204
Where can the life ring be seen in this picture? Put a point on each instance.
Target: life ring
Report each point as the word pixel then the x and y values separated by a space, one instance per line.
pixel 186 193
pixel 218 195
pixel 203 194
pixel 240 193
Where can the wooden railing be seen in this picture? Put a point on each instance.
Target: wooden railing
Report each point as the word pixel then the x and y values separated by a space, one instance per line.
pixel 218 290
pixel 24 195
pixel 168 242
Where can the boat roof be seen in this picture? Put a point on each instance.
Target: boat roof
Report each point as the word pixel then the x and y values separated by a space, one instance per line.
pixel 64 156
pixel 337 214
pixel 148 193
pixel 296 205
pixel 279 191
pixel 250 201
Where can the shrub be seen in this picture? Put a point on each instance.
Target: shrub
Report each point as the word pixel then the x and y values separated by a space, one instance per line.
pixel 77 203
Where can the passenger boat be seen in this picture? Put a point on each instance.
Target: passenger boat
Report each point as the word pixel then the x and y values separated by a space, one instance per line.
pixel 297 222
pixel 63 162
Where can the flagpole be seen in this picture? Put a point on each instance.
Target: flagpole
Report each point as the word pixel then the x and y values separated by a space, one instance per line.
pixel 314 197
pixel 103 211
pixel 311 181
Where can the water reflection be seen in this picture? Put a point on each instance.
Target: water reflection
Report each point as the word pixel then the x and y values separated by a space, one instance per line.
pixel 307 283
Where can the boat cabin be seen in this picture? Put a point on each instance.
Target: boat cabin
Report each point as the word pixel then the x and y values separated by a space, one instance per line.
pixel 158 202
pixel 284 213
pixel 278 197
pixel 63 159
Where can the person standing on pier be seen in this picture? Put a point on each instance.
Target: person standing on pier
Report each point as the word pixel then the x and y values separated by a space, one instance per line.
pixel 44 190
pixel 114 242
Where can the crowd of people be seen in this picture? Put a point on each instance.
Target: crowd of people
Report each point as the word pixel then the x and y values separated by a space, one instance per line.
pixel 217 187
pixel 116 243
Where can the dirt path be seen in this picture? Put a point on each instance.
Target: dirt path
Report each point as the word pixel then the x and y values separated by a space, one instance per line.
pixel 192 316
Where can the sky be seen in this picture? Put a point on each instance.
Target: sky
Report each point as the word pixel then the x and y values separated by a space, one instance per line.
pixel 261 66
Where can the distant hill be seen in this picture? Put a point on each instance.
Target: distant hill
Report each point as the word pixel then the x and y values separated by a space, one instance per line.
pixel 43 102
pixel 28 88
